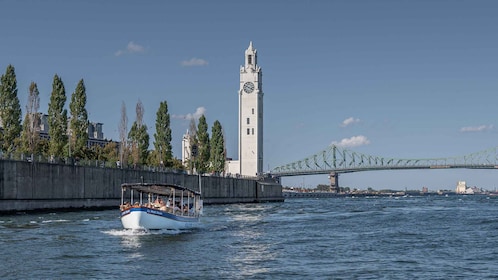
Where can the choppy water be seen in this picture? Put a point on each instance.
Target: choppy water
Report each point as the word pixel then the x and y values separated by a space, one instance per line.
pixel 432 237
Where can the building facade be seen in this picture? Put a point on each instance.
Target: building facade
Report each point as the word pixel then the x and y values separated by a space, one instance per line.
pixel 95 132
pixel 186 147
pixel 461 187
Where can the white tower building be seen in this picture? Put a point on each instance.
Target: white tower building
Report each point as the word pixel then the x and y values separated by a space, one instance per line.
pixel 251 115
pixel 186 153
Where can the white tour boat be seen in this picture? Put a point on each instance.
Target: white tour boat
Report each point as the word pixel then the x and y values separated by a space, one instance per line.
pixel 159 206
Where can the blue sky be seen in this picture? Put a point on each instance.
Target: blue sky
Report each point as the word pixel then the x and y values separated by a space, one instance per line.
pixel 404 79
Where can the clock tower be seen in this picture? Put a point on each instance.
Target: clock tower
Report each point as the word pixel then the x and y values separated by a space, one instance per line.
pixel 251 115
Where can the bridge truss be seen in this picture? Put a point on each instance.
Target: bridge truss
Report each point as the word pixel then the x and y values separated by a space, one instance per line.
pixel 340 160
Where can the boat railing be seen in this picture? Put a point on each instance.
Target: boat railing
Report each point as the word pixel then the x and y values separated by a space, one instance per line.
pixel 186 210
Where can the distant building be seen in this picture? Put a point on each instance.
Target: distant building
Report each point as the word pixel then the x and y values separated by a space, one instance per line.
pixel 461 187
pixel 186 152
pixel 95 132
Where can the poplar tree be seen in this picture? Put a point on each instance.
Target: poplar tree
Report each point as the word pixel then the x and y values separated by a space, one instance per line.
pixel 57 118
pixel 10 111
pixel 192 134
pixel 203 145
pixel 162 137
pixel 139 137
pixel 123 128
pixel 30 135
pixel 78 125
pixel 217 153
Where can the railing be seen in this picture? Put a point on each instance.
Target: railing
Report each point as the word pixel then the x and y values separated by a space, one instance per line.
pixel 114 164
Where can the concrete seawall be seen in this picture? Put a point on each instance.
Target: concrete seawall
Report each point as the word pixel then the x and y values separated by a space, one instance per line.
pixel 30 186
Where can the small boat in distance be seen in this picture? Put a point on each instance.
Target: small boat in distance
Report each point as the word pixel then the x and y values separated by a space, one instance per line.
pixel 159 206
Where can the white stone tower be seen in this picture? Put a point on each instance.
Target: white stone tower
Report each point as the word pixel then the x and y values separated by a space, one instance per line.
pixel 251 115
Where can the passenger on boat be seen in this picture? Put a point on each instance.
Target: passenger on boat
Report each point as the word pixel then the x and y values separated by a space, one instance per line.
pixel 157 203
pixel 176 208
pixel 125 206
pixel 162 205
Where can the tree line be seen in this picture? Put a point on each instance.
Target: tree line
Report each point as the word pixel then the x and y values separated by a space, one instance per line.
pixel 68 131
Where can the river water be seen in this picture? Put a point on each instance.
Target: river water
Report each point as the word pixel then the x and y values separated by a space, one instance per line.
pixel 429 237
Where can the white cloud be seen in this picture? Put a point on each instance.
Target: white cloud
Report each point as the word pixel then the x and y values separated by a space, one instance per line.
pixel 130 48
pixel 198 113
pixel 354 141
pixel 194 62
pixel 350 121
pixel 476 128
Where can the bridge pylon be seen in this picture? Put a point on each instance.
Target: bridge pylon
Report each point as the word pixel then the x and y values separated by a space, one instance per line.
pixel 334 182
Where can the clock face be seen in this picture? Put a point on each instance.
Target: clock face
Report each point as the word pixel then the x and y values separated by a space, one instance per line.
pixel 248 87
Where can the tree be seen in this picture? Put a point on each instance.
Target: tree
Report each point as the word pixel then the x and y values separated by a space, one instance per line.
pixel 42 147
pixel 110 152
pixel 29 135
pixel 57 118
pixel 192 135
pixel 10 111
pixel 203 147
pixel 78 125
pixel 162 137
pixel 192 128
pixel 139 137
pixel 123 128
pixel 217 153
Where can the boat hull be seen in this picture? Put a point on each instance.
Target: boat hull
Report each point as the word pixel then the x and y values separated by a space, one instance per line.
pixel 147 218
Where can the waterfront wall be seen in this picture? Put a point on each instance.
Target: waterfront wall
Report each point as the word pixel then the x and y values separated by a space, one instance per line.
pixel 35 185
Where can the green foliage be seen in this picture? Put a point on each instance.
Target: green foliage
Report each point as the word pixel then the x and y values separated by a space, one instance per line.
pixel 217 148
pixel 139 138
pixel 110 152
pixel 162 137
pixel 26 138
pixel 10 111
pixel 42 147
pixel 95 152
pixel 177 164
pixel 25 135
pixel 203 146
pixel 57 118
pixel 192 134
pixel 78 126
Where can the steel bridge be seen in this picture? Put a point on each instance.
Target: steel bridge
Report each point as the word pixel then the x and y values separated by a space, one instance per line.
pixel 335 160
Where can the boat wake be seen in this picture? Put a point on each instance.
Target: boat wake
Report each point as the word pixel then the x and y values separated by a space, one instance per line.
pixel 142 232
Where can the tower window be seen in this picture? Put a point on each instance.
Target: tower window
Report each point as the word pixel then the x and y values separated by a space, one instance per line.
pixel 253 111
pixel 248 121
pixel 253 131
pixel 248 131
pixel 249 59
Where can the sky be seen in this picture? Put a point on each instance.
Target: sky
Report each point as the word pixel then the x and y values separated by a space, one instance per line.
pixel 397 79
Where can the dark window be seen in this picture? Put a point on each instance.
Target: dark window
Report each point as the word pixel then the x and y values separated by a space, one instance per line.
pixel 248 131
pixel 253 131
pixel 247 120
pixel 253 111
pixel 249 59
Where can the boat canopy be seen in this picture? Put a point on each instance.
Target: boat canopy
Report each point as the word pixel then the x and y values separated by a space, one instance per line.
pixel 156 188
